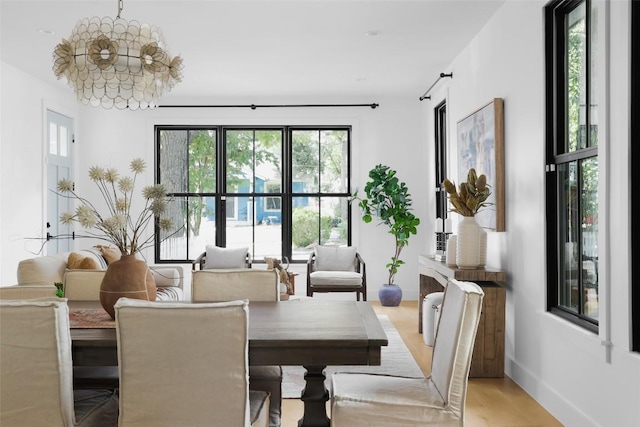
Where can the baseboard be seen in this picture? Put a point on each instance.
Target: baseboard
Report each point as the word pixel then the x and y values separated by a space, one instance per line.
pixel 562 409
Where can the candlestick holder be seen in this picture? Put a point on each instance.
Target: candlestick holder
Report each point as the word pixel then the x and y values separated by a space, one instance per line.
pixel 441 245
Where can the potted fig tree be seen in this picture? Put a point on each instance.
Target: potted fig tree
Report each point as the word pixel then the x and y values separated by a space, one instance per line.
pixel 388 199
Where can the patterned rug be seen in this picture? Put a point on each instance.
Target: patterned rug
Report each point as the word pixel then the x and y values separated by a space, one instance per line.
pixel 396 360
pixel 90 318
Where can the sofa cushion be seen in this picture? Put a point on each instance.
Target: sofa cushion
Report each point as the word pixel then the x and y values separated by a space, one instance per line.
pixel 172 293
pixel 225 257
pixel 109 253
pixel 79 262
pixel 44 270
pixel 166 277
pixel 83 285
pixel 335 278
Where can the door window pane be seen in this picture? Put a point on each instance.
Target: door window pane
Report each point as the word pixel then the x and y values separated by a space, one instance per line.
pixel 64 141
pixel 53 138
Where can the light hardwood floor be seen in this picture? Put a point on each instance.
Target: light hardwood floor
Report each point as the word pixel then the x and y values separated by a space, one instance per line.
pixel 491 402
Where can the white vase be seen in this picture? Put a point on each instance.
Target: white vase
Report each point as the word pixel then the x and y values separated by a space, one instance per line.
pixel 483 248
pixel 470 241
pixel 452 245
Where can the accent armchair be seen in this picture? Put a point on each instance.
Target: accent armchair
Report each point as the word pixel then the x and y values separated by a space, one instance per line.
pixel 364 400
pixel 336 269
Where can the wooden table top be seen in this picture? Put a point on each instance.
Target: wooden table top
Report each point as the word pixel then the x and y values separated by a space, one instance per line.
pixel 289 333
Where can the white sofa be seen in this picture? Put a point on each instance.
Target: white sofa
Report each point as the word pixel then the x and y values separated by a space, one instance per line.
pixel 36 278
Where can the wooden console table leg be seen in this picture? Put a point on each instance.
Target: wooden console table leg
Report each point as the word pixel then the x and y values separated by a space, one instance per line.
pixel 315 397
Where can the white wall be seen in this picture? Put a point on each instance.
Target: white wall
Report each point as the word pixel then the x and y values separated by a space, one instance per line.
pixel 392 134
pixel 564 367
pixel 22 154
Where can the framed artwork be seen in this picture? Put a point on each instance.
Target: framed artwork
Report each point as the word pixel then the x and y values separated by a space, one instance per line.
pixel 481 146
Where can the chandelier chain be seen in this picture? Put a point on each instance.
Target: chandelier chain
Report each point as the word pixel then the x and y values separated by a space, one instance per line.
pixel 120 6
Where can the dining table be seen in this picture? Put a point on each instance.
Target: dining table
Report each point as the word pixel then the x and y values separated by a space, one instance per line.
pixel 309 333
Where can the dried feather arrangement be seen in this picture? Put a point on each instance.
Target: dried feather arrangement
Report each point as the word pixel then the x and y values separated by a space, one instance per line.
pixel 472 195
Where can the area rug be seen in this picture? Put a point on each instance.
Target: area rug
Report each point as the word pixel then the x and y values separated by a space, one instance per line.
pixel 396 360
pixel 90 318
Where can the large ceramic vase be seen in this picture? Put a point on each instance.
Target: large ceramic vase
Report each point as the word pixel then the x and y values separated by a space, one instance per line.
pixel 128 277
pixel 390 295
pixel 471 245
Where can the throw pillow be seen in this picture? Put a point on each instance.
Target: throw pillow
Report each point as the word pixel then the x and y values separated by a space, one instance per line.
pixel 335 258
pixel 109 253
pixel 78 262
pixel 225 257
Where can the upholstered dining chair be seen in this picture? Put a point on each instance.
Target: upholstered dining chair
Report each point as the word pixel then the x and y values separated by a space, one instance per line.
pixel 336 269
pixel 36 370
pixel 368 399
pixel 216 258
pixel 253 285
pixel 184 364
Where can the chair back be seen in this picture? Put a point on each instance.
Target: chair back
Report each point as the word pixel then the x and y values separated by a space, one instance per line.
pixel 335 258
pixel 230 285
pixel 19 292
pixel 215 257
pixel 35 363
pixel 455 337
pixel 182 364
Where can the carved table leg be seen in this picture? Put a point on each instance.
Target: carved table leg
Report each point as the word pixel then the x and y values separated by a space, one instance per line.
pixel 314 396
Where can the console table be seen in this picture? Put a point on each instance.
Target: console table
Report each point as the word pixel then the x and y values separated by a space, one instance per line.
pixel 488 351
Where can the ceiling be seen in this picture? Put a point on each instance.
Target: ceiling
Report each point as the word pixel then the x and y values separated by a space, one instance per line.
pixel 312 49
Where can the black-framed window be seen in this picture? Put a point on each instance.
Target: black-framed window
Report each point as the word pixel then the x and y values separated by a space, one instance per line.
pixel 571 43
pixel 277 190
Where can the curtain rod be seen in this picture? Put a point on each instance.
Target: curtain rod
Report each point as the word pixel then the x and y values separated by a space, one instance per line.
pixel 255 106
pixel 442 75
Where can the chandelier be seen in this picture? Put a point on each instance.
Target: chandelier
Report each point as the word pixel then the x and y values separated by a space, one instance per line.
pixel 117 63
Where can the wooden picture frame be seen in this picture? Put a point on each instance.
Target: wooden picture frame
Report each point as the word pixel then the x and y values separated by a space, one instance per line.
pixel 481 146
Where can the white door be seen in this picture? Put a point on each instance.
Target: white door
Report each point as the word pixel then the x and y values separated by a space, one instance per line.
pixel 59 166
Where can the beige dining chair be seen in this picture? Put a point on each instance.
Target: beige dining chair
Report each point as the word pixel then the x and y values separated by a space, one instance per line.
pixel 253 285
pixel 336 269
pixel 37 372
pixel 360 400
pixel 184 364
